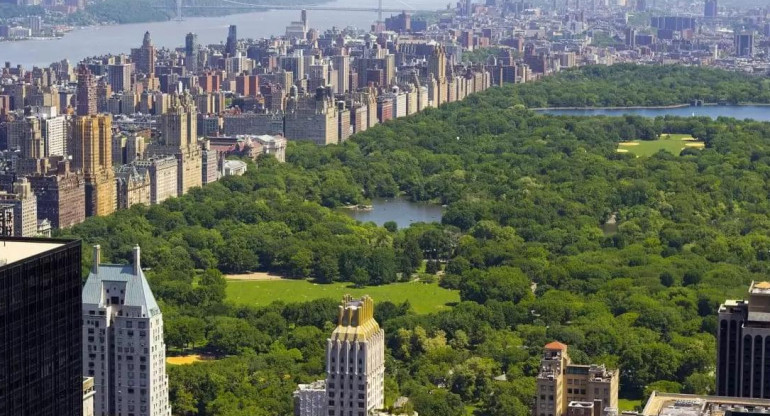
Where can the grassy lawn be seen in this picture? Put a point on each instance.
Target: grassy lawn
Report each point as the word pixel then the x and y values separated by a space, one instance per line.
pixel 425 298
pixel 672 143
pixel 628 405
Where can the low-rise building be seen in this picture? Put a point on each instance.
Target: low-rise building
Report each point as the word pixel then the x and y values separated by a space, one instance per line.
pixel 563 386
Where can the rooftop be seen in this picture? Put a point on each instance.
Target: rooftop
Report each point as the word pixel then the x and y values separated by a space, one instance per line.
pixel 670 404
pixel 555 345
pixel 15 250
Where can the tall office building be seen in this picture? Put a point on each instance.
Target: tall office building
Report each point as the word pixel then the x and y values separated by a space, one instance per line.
pixel 563 387
pixel 145 56
pixel 40 350
pixel 231 47
pixel 744 44
pixel 122 339
pixel 355 360
pixel 743 345
pixel 92 153
pixel 191 52
pixel 86 92
pixel 710 9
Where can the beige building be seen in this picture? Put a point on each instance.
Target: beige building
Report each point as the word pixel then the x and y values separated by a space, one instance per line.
pixel 179 129
pixel 92 153
pixel 24 205
pixel 88 396
pixel 132 187
pixel 565 388
pixel 163 177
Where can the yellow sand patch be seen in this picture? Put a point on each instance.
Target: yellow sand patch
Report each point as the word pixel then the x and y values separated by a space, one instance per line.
pixel 629 143
pixel 622 150
pixel 689 139
pixel 187 359
pixel 256 276
pixel 697 145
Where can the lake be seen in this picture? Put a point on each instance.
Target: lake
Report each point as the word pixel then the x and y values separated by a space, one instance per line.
pixel 116 39
pixel 741 112
pixel 400 210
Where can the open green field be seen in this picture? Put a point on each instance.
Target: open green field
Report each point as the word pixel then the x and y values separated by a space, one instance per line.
pixel 425 298
pixel 628 405
pixel 672 143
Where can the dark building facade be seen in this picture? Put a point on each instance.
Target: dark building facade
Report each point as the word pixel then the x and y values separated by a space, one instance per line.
pixel 40 327
pixel 743 345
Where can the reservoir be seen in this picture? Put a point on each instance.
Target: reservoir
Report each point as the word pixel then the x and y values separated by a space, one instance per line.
pixel 741 112
pixel 400 210
pixel 99 40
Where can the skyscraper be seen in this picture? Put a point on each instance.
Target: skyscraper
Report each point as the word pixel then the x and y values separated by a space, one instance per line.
pixel 191 52
pixel 744 44
pixel 122 341
pixel 40 352
pixel 710 9
pixel 743 345
pixel 231 47
pixel 145 56
pixel 355 360
pixel 86 92
pixel 92 153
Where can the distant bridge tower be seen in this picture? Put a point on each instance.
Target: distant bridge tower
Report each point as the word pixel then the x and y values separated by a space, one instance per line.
pixel 179 10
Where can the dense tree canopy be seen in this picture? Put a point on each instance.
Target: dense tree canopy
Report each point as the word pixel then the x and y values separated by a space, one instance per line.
pixel 522 239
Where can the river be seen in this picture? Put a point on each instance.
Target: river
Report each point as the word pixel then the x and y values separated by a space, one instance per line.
pixel 400 210
pixel 100 40
pixel 741 112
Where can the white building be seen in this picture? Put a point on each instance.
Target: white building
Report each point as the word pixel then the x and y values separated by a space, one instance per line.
pixel 123 347
pixel 355 361
pixel 55 135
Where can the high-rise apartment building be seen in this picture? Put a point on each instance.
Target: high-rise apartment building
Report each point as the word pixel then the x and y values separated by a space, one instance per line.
pixel 54 131
pixel 355 366
pixel 120 77
pixel 40 350
pixel 122 339
pixel 145 56
pixel 92 153
pixel 743 345
pixel 562 386
pixel 179 129
pixel 86 92
pixel 231 47
pixel 355 360
pixel 191 52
